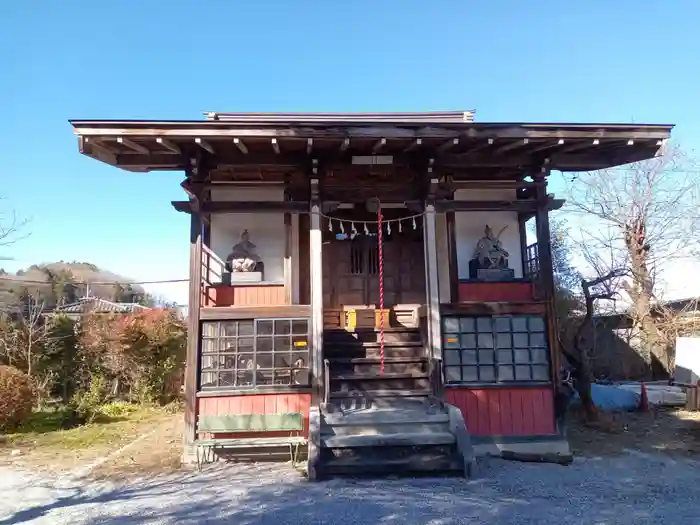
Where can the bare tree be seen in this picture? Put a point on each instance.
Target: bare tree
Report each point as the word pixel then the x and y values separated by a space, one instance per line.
pixel 31 331
pixel 639 219
pixel 10 228
pixel 602 287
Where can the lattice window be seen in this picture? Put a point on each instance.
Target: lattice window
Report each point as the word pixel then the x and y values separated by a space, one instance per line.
pixel 372 259
pixel 495 349
pixel 252 353
pixel 356 258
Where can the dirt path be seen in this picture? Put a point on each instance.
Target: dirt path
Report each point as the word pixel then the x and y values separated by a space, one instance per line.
pixel 668 431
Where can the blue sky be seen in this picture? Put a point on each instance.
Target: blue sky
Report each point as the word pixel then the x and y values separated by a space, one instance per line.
pixel 612 61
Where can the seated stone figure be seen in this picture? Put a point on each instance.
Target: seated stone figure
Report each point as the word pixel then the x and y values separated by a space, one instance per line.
pixel 489 252
pixel 243 256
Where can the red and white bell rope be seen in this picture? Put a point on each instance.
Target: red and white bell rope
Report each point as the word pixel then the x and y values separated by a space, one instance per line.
pixel 380 245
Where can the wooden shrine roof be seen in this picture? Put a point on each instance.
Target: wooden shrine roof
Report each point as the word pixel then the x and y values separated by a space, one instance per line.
pixel 452 139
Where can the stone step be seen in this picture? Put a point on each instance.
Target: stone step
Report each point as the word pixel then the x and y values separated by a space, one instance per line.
pixel 372 396
pixel 418 463
pixel 384 416
pixel 403 439
pixel 360 404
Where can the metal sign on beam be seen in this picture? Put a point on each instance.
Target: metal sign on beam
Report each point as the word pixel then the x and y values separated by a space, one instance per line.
pixel 372 160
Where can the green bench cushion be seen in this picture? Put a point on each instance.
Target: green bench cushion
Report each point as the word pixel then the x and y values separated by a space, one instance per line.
pixel 251 422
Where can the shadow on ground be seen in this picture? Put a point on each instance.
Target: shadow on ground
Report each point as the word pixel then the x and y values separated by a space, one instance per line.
pixel 635 489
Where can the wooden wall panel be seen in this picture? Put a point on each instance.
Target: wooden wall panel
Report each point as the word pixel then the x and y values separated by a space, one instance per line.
pixel 245 295
pixel 517 291
pixel 256 404
pixel 505 411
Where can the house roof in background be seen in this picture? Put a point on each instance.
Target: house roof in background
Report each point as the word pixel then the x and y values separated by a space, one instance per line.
pixel 100 306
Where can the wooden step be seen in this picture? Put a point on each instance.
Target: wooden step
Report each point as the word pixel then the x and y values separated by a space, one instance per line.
pixel 373 367
pixel 354 343
pixel 377 360
pixel 352 352
pixel 405 439
pixel 372 336
pixel 378 377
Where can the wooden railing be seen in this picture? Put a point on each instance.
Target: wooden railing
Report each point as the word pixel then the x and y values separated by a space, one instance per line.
pixel 326 381
pixel 213 267
pixel 532 262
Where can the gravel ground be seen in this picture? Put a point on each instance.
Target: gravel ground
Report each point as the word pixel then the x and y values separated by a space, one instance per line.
pixel 632 489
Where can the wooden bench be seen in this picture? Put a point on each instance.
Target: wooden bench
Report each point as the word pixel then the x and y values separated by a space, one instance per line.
pixel 234 423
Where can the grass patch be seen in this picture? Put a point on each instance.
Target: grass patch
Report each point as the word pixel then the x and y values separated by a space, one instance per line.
pixel 52 429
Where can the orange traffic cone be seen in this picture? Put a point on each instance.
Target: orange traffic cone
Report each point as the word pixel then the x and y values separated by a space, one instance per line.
pixel 644 399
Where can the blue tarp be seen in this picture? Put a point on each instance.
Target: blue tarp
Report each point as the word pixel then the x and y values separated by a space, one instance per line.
pixel 612 398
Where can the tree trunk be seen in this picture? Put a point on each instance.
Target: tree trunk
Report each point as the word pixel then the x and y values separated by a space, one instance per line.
pixel 583 373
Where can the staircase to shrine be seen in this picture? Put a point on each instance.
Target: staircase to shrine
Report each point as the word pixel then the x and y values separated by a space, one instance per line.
pixel 375 423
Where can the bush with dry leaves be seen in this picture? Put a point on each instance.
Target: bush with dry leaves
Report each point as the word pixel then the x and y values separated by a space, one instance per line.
pixel 16 397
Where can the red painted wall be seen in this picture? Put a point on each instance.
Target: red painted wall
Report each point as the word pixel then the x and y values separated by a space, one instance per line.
pixel 495 292
pixel 244 295
pixel 505 411
pixel 256 404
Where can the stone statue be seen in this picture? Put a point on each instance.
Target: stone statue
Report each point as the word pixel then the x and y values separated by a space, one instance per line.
pixel 243 256
pixel 489 252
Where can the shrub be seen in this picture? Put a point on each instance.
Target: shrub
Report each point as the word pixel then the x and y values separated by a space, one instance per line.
pixel 118 409
pixel 88 404
pixel 16 397
pixel 141 354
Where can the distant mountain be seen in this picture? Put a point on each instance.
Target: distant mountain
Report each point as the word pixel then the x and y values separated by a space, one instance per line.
pixel 64 282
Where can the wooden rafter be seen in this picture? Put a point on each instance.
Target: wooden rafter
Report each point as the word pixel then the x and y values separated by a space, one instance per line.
pixel 546 146
pixel 480 147
pixel 102 144
pixel 169 145
pixel 513 145
pixel 204 145
pixel 442 148
pixel 413 145
pixel 379 145
pixel 239 144
pixel 133 145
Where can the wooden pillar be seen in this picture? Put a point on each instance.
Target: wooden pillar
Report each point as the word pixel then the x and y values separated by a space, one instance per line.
pixel 288 258
pixel 450 221
pixel 316 280
pixel 522 231
pixel 432 285
pixel 193 327
pixel 546 269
